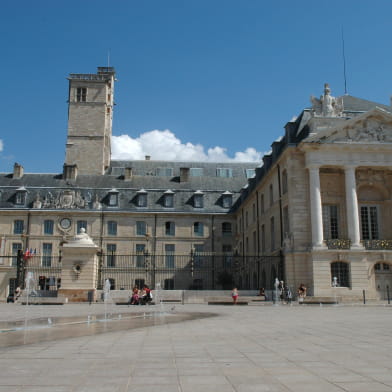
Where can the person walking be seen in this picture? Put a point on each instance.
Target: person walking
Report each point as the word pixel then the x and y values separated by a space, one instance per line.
pixel 234 295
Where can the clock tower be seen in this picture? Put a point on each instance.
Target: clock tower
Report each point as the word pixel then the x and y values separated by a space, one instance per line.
pixel 90 115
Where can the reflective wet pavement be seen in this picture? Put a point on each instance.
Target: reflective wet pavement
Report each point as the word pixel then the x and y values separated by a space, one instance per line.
pixel 14 333
pixel 240 349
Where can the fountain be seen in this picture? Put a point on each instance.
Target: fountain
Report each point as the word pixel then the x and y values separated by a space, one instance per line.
pixel 334 285
pixel 28 291
pixel 158 297
pixel 276 285
pixel 106 296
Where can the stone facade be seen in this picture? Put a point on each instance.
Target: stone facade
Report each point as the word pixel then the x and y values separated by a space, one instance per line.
pixel 321 199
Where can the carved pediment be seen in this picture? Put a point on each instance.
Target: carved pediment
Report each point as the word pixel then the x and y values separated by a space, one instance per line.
pixel 367 129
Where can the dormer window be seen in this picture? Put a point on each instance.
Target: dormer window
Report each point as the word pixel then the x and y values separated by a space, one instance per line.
pixel 141 198
pixel 164 171
pixel 113 198
pixel 224 172
pixel 20 197
pixel 227 199
pixel 198 201
pixel 168 199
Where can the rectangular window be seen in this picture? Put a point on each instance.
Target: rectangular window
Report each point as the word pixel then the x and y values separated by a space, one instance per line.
pixel 46 255
pixel 48 227
pixel 262 238
pixel 170 228
pixel 198 229
pixel 15 247
pixel 253 213
pixel 271 192
pixel 224 172
pixel 196 172
pixel 227 255
pixel 286 224
pixel 262 203
pixel 254 243
pixel 81 94
pixel 198 257
pixel 369 223
pixel 198 201
pixel 272 233
pixel 112 228
pixel 111 255
pixel 169 200
pixel 142 200
pixel 330 222
pixel 164 171
pixel 81 224
pixel 249 173
pixel 113 199
pixel 169 256
pixel 20 198
pixel 226 229
pixel 141 228
pixel 227 201
pixel 140 248
pixel 18 226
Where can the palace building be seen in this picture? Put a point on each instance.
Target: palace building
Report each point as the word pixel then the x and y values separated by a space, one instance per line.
pixel 316 210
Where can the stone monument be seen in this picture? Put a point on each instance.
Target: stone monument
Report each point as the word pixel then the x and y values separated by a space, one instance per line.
pixel 79 275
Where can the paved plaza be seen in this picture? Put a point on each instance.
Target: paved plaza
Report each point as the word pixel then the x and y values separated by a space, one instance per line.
pixel 239 349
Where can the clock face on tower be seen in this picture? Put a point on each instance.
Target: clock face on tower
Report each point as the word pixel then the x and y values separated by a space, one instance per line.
pixel 65 223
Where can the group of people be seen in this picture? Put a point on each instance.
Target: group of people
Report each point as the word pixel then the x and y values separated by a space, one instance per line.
pixel 140 296
pixel 285 294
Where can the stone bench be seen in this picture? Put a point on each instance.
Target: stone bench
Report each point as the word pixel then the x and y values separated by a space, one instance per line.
pixel 42 300
pixel 225 301
pixel 321 300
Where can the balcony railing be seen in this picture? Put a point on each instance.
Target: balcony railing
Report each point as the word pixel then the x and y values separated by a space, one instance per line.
pixel 377 244
pixel 338 243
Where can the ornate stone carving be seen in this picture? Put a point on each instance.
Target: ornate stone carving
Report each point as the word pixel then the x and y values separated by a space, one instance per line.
pixel 369 131
pixel 327 105
pixel 97 204
pixel 66 199
pixel 37 202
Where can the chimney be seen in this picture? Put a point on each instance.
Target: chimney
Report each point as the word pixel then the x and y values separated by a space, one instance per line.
pixel 18 171
pixel 127 173
pixel 70 172
pixel 148 157
pixel 184 174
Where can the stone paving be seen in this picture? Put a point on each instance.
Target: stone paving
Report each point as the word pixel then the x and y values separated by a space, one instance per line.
pixel 240 349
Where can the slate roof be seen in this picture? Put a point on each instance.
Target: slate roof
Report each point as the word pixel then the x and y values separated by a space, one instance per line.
pixel 90 187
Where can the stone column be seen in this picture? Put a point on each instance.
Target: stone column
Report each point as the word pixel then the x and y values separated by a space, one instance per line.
pixel 315 207
pixel 352 207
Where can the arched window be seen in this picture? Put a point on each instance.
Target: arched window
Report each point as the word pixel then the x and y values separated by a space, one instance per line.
pixel 340 274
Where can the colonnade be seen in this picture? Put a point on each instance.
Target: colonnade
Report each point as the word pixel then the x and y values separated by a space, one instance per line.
pixel 351 207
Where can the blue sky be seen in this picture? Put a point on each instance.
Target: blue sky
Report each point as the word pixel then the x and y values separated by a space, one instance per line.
pixel 216 73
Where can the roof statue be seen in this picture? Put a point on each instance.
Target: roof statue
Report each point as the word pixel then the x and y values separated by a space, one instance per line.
pixel 327 105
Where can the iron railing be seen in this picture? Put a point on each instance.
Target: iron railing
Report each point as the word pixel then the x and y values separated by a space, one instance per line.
pixel 195 271
pixel 377 244
pixel 338 243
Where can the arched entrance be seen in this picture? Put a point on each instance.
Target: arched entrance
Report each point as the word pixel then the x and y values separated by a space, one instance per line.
pixel 383 279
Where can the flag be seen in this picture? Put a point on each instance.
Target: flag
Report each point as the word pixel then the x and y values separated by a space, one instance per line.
pixel 26 254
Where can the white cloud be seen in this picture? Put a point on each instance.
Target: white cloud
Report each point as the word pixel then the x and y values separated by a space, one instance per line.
pixel 164 145
pixel 1 145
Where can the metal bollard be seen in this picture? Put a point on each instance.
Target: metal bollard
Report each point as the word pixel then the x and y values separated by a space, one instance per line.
pixel 364 297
